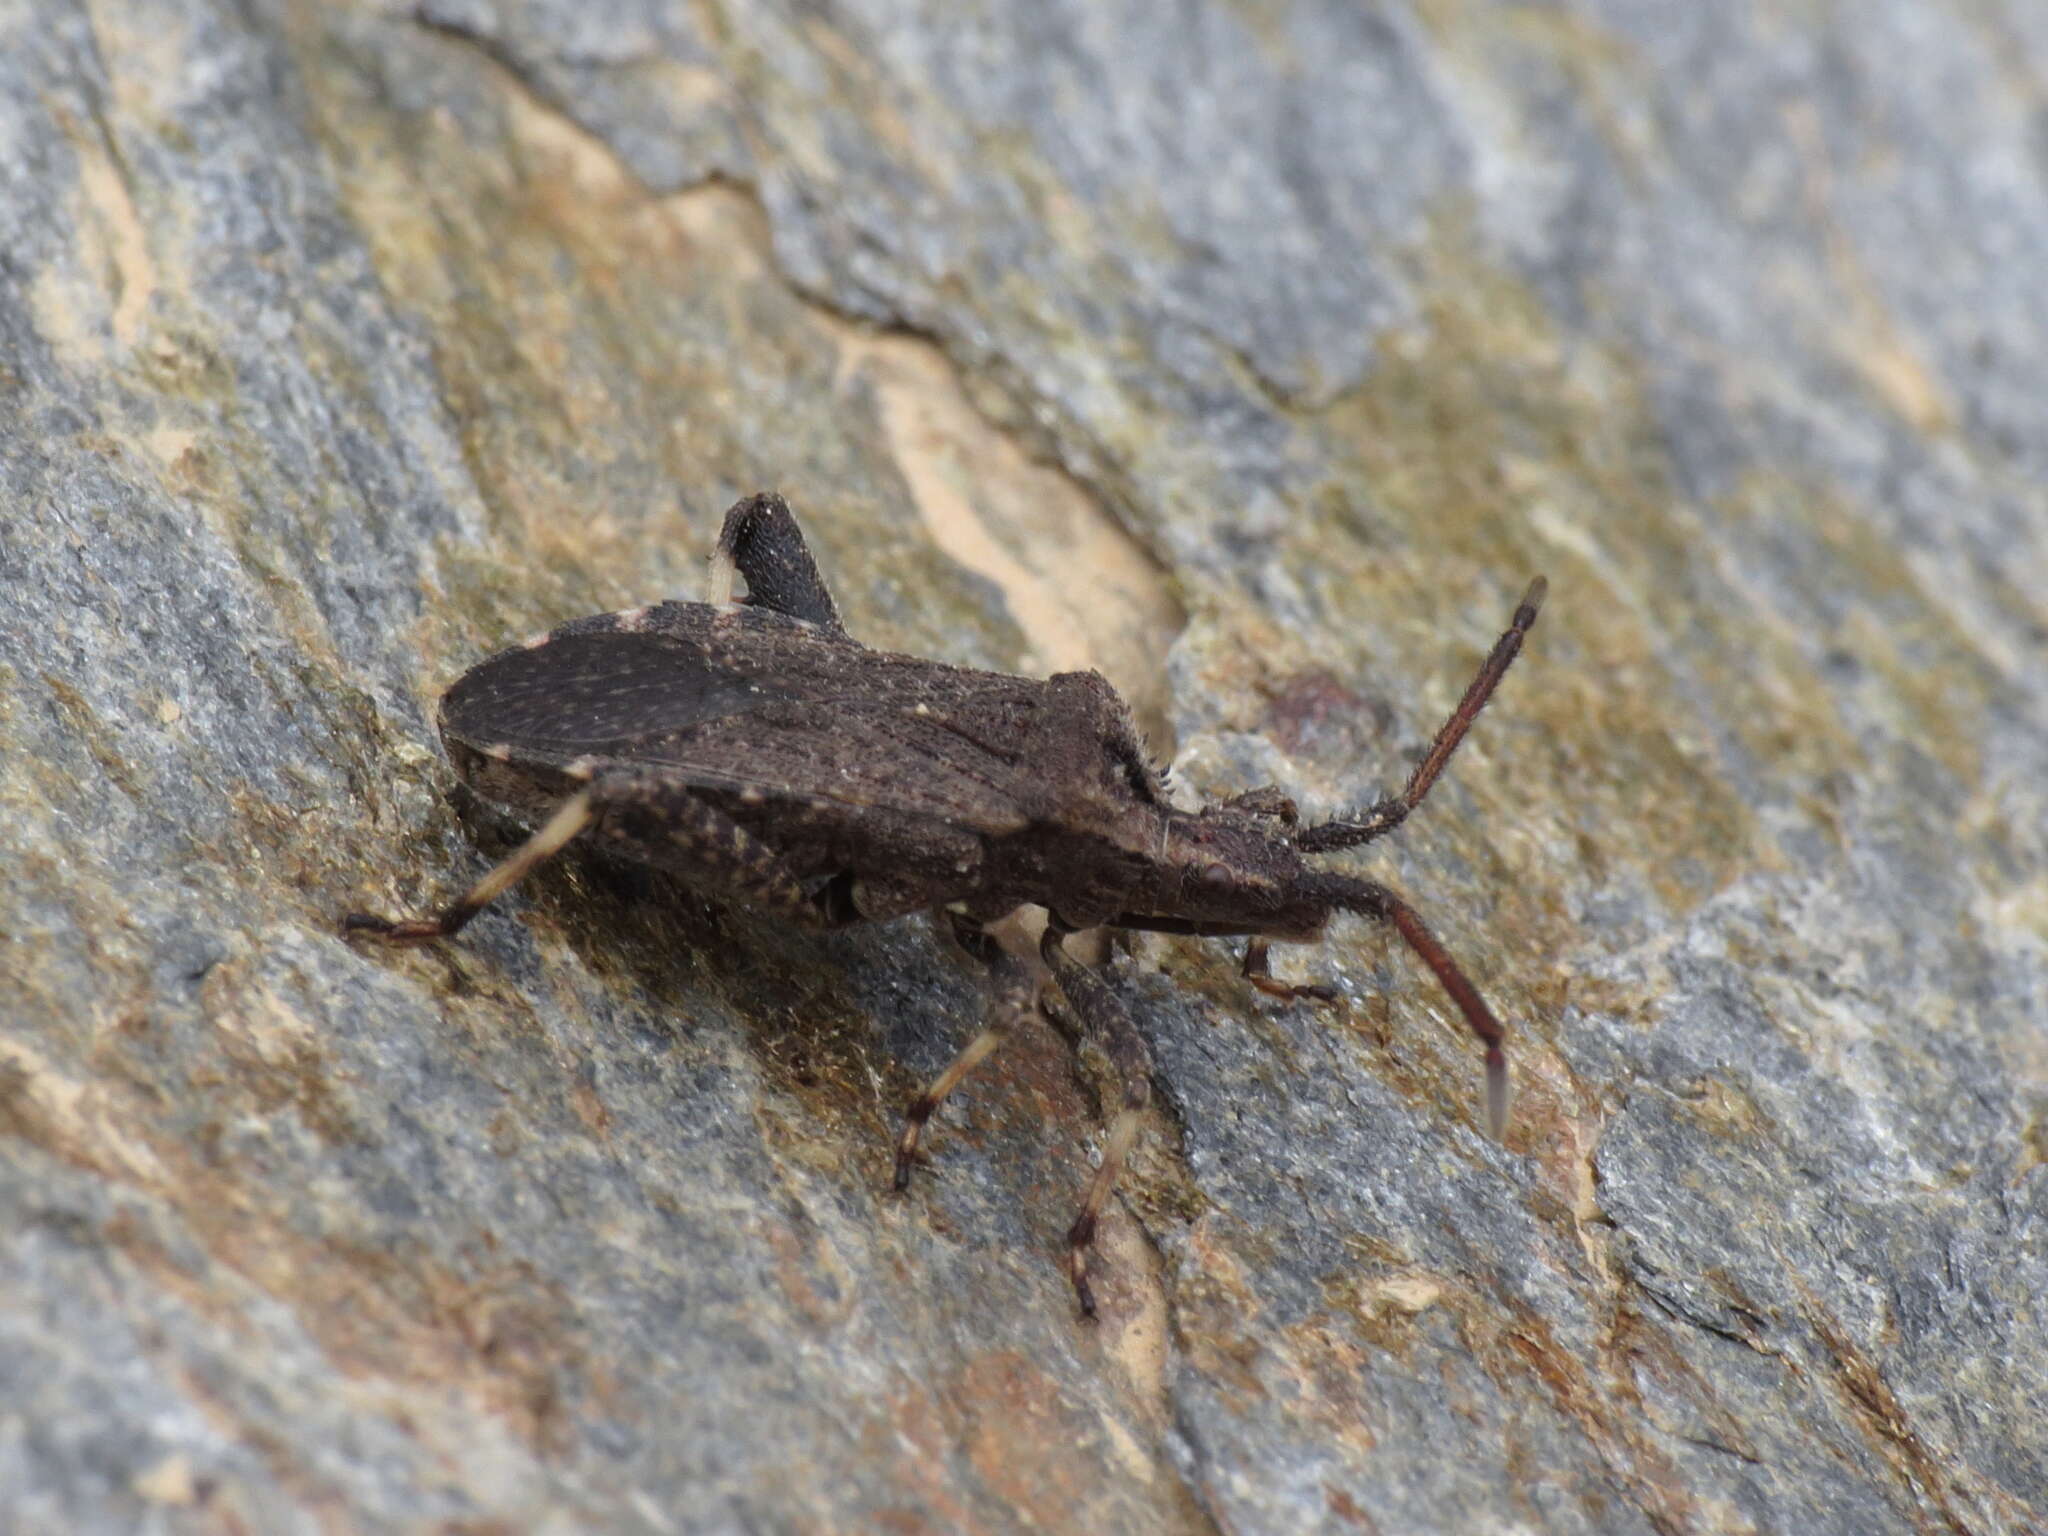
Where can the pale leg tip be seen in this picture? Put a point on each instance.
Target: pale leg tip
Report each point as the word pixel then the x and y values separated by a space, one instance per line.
pixel 1497 1096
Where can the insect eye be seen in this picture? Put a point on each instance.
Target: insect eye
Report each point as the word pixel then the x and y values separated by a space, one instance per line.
pixel 1215 877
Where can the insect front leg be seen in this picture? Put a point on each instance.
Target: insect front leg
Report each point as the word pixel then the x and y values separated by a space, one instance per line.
pixel 1258 971
pixel 1257 968
pixel 1100 1011
pixel 1012 987
pixel 761 541
pixel 1270 800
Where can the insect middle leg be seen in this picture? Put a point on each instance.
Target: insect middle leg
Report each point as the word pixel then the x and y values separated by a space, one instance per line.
pixel 1102 1012
pixel 1012 987
pixel 648 819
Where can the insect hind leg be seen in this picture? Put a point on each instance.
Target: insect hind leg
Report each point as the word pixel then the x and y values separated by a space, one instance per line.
pixel 569 821
pixel 761 541
pixel 648 819
pixel 652 820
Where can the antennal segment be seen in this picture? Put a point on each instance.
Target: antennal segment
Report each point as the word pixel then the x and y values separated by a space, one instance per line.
pixel 1391 812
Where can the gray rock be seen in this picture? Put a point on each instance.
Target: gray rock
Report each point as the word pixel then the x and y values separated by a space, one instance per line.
pixel 1255 354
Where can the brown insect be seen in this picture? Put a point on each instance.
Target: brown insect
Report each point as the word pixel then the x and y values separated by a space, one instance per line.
pixel 758 750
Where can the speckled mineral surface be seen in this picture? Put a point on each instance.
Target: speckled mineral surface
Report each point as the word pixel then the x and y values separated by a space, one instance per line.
pixel 1258 354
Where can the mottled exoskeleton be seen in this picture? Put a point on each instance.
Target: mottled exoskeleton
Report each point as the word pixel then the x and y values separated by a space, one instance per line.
pixel 759 751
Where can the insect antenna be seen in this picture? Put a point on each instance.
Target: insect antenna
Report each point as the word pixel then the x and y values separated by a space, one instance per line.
pixel 1370 899
pixel 1392 811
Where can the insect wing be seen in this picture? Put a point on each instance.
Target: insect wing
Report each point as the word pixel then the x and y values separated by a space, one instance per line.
pixel 595 693
pixel 748 701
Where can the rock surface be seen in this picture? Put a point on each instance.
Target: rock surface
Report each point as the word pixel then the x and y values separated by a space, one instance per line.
pixel 1256 354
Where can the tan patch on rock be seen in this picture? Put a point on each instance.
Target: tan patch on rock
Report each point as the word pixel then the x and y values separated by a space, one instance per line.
pixel 1082 590
pixel 168 1482
pixel 103 292
pixel 1018 1442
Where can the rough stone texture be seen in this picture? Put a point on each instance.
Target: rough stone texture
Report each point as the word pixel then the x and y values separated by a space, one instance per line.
pixel 1255 353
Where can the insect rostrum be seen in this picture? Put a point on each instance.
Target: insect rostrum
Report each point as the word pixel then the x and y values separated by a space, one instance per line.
pixel 758 750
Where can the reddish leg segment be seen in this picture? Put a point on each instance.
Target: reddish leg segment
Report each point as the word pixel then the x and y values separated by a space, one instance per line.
pixel 1258 970
pixel 1370 899
pixel 1390 813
